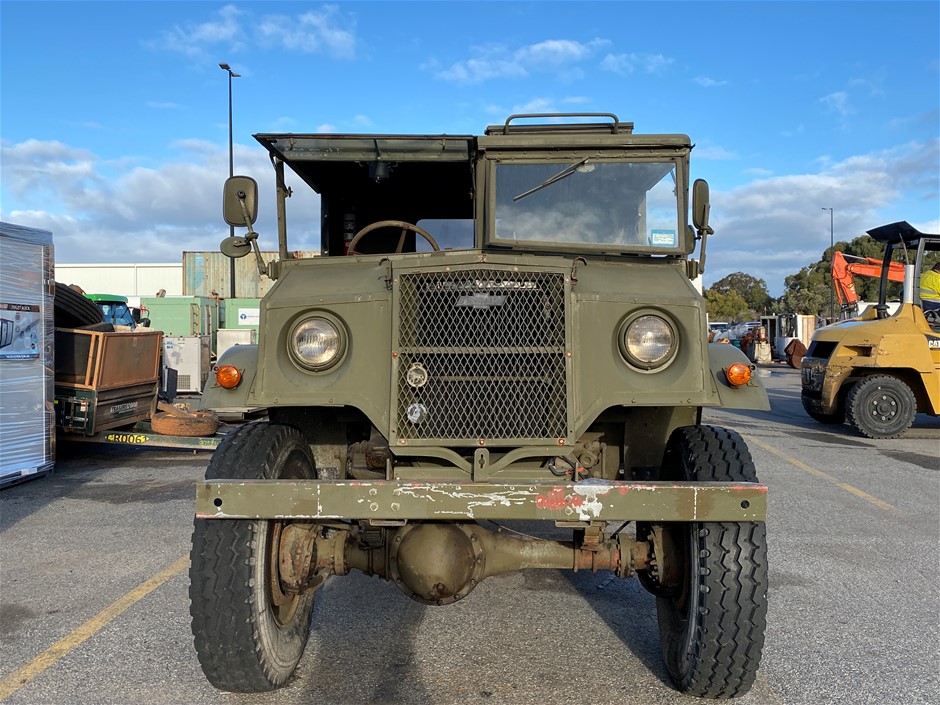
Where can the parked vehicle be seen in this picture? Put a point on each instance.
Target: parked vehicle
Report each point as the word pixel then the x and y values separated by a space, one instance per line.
pixel 879 370
pixel 115 310
pixel 547 363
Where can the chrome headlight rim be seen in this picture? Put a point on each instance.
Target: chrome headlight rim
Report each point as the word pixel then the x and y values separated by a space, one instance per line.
pixel 333 322
pixel 636 362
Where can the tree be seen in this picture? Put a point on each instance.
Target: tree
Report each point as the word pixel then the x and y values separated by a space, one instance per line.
pixel 807 291
pixel 751 289
pixel 729 306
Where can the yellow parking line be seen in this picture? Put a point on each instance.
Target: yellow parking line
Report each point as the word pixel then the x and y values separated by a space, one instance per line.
pixel 34 668
pixel 862 494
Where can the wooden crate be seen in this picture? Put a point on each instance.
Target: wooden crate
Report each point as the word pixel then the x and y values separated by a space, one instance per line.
pixel 105 380
pixel 86 359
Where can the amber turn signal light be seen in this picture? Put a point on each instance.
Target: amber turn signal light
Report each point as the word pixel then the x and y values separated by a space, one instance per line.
pixel 738 374
pixel 228 376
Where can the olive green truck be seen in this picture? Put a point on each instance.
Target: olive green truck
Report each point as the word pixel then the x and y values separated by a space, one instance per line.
pixel 500 328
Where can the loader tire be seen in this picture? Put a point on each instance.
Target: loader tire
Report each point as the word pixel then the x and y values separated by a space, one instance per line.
pixel 880 406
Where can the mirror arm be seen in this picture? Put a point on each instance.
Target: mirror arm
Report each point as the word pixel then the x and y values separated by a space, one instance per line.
pixel 251 236
pixel 702 235
pixel 262 267
pixel 241 201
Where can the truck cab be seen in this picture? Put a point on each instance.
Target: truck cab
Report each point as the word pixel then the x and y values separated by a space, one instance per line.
pixel 116 311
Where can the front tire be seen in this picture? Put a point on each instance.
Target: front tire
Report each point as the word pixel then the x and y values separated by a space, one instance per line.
pixel 834 418
pixel 880 406
pixel 713 610
pixel 249 635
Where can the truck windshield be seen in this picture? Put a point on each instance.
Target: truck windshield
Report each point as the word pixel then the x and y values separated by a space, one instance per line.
pixel 631 205
pixel 116 314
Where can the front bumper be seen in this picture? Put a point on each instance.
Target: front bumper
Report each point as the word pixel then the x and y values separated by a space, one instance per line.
pixel 812 374
pixel 397 501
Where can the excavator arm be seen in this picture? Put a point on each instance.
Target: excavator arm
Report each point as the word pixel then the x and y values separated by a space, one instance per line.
pixel 843 271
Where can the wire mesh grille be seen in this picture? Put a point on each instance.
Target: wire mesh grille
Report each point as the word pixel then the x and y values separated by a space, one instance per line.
pixel 482 356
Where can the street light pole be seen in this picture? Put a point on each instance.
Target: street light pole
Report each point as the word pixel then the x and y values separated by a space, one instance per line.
pixel 231 165
pixel 832 281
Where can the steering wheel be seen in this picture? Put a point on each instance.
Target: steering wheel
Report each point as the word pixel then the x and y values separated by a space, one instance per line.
pixel 405 227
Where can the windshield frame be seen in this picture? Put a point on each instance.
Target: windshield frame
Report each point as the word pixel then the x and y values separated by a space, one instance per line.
pixel 563 160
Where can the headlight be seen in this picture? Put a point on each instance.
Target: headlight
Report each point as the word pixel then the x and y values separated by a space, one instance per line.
pixel 648 342
pixel 316 343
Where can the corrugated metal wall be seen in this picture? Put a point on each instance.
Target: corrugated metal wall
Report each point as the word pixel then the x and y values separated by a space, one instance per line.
pixel 204 272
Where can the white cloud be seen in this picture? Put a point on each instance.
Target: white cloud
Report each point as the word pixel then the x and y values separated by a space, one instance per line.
pixel 798 131
pixel 837 102
pixel 326 31
pixel 142 214
pixel 556 51
pixel 195 39
pixel 629 63
pixel 706 82
pixel 714 153
pixel 492 61
pixel 773 227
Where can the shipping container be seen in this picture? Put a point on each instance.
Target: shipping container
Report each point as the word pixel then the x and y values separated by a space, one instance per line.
pixel 205 272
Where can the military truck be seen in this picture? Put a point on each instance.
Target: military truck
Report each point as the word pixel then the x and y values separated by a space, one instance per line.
pixel 499 328
pixel 877 371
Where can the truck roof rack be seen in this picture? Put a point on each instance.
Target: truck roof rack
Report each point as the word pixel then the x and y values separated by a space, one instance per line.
pixel 613 127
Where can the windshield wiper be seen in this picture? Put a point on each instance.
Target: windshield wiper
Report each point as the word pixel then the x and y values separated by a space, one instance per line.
pixel 563 174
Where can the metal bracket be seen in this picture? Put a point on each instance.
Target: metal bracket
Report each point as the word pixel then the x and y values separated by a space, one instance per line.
pixel 574 269
pixel 481 465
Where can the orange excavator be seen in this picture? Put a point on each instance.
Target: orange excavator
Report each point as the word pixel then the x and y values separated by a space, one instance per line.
pixel 842 276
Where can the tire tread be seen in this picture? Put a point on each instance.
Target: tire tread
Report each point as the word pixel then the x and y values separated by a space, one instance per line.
pixel 855 407
pixel 730 621
pixel 225 632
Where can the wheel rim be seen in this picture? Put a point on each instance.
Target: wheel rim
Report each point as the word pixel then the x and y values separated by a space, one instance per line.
pixel 283 606
pixel 883 407
pixel 687 598
pixel 680 588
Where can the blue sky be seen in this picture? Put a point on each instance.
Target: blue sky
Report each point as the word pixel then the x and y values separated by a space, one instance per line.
pixel 114 115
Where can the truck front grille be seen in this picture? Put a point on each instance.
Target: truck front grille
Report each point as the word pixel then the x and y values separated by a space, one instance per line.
pixel 481 356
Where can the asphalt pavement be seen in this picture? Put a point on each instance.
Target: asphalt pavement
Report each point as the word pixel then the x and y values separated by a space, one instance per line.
pixel 94 605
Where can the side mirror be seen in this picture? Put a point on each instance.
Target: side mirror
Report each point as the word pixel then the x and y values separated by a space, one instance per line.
pixel 700 205
pixel 235 246
pixel 240 201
